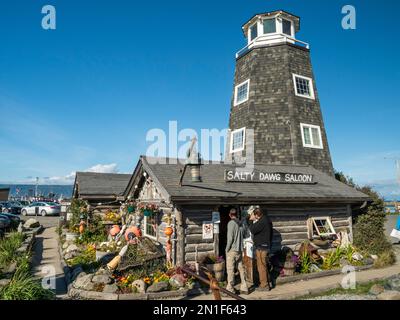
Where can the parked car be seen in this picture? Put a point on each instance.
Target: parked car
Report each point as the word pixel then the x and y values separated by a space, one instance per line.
pixel 10 207
pixel 24 203
pixel 41 208
pixel 15 220
pixel 5 222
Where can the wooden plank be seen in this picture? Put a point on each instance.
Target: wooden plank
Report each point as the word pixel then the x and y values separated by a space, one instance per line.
pixel 288 229
pixel 200 247
pixel 193 229
pixel 340 223
pixel 290 236
pixel 196 239
pixel 192 256
pixel 288 223
pixel 180 252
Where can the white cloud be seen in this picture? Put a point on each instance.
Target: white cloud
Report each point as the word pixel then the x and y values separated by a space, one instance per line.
pixel 104 168
pixel 70 178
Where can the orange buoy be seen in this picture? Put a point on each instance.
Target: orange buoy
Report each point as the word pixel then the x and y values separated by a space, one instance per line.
pixel 168 231
pixel 115 230
pixel 133 230
pixel 82 227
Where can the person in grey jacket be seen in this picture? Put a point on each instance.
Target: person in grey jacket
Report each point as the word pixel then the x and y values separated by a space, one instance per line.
pixel 234 249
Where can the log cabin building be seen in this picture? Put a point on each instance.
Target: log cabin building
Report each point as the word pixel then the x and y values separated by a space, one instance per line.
pixel 103 191
pixel 275 101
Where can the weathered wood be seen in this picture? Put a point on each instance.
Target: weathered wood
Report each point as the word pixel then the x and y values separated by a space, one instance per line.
pixel 196 238
pixel 291 236
pixel 340 223
pixel 180 252
pixel 194 229
pixel 200 247
pixel 288 229
pixel 191 257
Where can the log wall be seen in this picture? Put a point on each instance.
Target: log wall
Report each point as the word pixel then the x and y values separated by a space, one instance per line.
pixel 289 223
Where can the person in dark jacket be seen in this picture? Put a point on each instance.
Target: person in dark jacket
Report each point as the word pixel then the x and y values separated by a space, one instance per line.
pixel 261 228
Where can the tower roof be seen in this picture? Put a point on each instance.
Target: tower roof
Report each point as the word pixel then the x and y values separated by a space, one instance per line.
pixel 277 13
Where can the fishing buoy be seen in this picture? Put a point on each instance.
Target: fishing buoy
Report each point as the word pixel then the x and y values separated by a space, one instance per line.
pixel 115 230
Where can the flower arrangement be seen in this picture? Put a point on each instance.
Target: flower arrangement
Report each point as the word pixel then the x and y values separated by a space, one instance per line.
pixel 212 259
pixel 148 208
pixel 112 216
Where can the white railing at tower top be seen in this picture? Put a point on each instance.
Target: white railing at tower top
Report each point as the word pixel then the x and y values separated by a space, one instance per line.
pixel 272 39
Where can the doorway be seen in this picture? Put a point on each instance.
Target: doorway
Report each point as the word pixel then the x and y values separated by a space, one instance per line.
pixel 223 227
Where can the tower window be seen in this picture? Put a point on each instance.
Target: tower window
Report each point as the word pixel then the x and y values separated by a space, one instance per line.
pixel 237 140
pixel 287 27
pixel 253 32
pixel 311 136
pixel 269 26
pixel 303 86
pixel 242 92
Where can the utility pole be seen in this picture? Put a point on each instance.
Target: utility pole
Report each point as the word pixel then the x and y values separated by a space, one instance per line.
pixel 36 187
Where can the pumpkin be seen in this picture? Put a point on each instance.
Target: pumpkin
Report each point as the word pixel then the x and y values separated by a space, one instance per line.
pixel 115 230
pixel 168 231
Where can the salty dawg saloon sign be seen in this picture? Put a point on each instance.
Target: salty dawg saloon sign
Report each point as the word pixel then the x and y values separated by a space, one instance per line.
pixel 268 177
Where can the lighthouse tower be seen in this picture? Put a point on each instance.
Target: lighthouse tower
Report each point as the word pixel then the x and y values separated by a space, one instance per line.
pixel 275 97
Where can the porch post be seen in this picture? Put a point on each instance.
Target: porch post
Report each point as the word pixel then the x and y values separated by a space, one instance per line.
pixel 180 248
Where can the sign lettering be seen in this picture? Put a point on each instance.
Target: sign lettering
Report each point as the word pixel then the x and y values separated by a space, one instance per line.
pixel 268 177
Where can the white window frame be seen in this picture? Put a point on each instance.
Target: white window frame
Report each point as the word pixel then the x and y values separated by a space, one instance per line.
pixel 276 25
pixel 312 224
pixel 291 27
pixel 235 102
pixel 145 228
pixel 312 145
pixel 249 31
pixel 311 85
pixel 244 140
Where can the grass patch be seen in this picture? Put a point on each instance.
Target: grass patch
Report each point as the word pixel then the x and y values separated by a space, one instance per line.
pixel 8 247
pixel 23 285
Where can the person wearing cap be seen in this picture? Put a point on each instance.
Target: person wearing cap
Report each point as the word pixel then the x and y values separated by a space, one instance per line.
pixel 234 249
pixel 261 228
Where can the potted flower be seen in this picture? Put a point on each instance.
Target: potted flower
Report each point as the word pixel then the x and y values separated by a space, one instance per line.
pixel 148 209
pixel 72 234
pixel 216 265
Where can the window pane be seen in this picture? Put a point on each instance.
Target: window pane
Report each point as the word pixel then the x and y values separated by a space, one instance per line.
pixel 315 137
pixel 307 137
pixel 269 26
pixel 241 94
pixel 287 27
pixel 151 225
pixel 238 140
pixel 253 32
pixel 303 86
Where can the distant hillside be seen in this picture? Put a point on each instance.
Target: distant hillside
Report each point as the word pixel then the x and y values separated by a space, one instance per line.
pixel 26 190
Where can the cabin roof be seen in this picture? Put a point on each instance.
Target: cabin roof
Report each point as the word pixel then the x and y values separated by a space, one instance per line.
pixel 105 184
pixel 214 186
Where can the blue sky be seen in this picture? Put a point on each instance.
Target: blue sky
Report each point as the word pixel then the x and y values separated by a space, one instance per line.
pixel 83 96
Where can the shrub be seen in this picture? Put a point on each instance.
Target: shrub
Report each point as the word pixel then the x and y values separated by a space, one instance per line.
pixel 369 228
pixel 386 258
pixel 24 286
pixel 77 208
pixel 94 233
pixel 8 247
